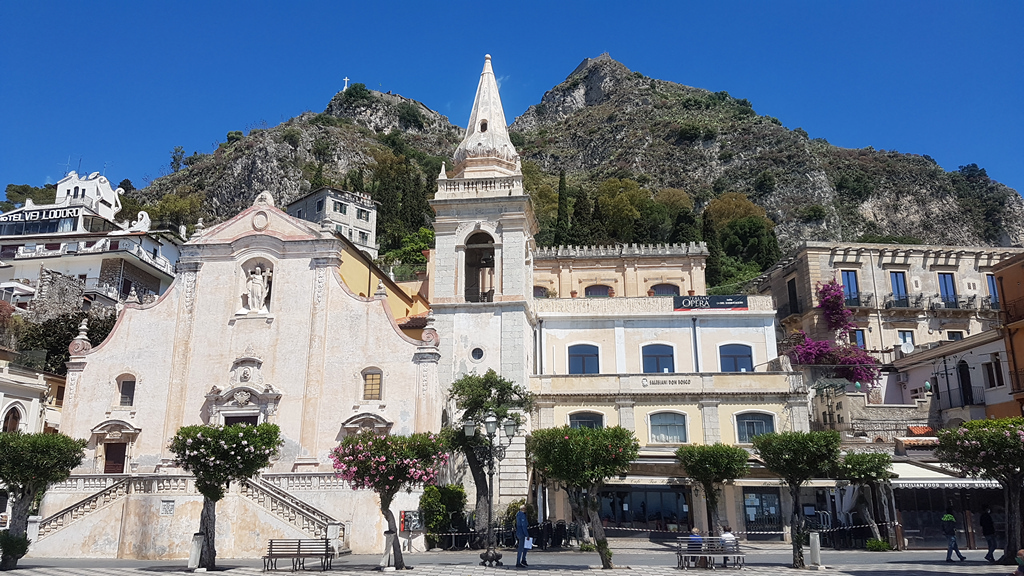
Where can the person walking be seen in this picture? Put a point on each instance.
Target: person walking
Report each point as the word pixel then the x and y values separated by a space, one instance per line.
pixel 522 532
pixel 988 529
pixel 949 529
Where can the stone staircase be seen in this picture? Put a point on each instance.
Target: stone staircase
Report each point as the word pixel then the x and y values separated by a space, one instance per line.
pixel 272 498
pixel 55 522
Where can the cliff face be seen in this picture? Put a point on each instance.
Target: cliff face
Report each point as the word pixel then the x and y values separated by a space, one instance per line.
pixel 605 120
pixel 284 159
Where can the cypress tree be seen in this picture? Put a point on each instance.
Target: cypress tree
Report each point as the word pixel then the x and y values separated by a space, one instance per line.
pixel 562 224
pixel 685 229
pixel 713 267
pixel 582 210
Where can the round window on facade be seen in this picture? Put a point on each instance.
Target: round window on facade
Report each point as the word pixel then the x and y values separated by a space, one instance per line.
pixel 478 354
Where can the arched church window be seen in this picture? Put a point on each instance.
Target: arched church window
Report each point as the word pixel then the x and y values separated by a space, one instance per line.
pixel 126 390
pixel 12 420
pixel 597 291
pixel 480 268
pixel 372 385
pixel 665 290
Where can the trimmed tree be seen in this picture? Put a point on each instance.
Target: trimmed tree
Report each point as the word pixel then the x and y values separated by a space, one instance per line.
pixel 797 457
pixel 28 464
pixel 711 465
pixel 867 471
pixel 478 396
pixel 216 456
pixel 992 449
pixel 581 459
pixel 387 464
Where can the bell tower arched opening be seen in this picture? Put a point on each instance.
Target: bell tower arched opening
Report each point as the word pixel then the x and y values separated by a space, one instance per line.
pixel 480 268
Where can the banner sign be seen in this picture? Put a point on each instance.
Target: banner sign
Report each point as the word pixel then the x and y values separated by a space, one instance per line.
pixel 35 215
pixel 735 302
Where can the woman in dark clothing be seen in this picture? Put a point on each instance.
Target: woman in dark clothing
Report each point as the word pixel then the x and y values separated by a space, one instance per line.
pixel 949 529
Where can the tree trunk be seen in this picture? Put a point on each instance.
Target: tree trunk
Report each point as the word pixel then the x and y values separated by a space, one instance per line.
pixel 711 499
pixel 865 505
pixel 21 501
pixel 595 524
pixel 1013 543
pixel 208 526
pixel 579 513
pixel 797 528
pixel 476 468
pixel 396 544
pixel 883 497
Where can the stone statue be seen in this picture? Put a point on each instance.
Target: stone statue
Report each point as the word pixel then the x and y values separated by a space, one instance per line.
pixel 257 287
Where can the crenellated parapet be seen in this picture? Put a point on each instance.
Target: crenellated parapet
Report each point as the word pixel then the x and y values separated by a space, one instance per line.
pixel 621 251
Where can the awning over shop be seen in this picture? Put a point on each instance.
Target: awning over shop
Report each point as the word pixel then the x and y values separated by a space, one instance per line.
pixel 912 475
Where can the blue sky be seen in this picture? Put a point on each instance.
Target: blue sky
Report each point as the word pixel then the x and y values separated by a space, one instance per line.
pixel 119 84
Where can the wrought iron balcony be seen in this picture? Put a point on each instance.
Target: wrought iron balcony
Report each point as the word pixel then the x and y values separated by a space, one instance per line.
pixel 958 396
pixel 906 301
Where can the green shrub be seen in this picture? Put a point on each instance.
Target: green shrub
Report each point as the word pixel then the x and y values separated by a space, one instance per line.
pixel 234 136
pixel 709 133
pixel 356 95
pixel 588 547
pixel 409 116
pixel 16 546
pixel 292 137
pixel 878 545
pixel 513 508
pixel 517 139
pixel 688 132
pixel 439 505
pixel 812 213
pixel 726 155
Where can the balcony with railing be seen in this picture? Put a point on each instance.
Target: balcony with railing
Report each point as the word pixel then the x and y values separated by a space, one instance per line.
pixel 1015 310
pixel 860 300
pixel 958 397
pixel 913 301
pixel 58 249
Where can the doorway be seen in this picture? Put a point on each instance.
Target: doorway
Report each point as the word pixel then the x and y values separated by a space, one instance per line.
pixel 114 454
pixel 762 512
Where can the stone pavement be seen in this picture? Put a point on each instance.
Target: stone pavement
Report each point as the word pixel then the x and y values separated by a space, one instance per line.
pixel 894 566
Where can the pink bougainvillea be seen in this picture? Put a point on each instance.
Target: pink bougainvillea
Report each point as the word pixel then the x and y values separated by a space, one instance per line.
pixel 832 303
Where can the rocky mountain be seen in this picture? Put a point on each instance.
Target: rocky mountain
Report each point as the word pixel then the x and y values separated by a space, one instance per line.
pixel 310 149
pixel 606 121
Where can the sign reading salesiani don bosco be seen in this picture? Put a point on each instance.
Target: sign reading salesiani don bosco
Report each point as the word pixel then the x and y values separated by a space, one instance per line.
pixel 736 302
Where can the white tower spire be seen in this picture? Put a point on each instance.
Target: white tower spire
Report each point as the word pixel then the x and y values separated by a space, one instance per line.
pixel 486 151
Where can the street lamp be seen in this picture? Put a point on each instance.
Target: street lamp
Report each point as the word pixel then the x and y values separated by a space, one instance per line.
pixel 491 451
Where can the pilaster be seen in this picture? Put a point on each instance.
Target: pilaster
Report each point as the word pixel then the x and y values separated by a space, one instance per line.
pixel 314 381
pixel 709 421
pixel 177 387
pixel 626 417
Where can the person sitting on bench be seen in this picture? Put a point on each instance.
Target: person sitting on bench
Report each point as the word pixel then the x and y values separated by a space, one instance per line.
pixel 729 543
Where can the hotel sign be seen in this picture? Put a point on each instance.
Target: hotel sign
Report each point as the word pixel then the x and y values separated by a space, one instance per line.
pixel 735 302
pixel 36 215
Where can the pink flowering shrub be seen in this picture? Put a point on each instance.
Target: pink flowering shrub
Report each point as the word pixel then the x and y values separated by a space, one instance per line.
pixel 990 449
pixel 832 303
pixel 389 463
pixel 850 361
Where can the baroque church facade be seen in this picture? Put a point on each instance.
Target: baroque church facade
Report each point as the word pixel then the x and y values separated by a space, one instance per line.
pixel 271 319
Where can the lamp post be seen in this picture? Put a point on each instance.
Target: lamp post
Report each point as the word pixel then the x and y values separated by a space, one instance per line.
pixel 493 450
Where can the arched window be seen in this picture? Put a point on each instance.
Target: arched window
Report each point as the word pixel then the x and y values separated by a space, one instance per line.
pixel 126 390
pixel 372 385
pixel 668 428
pixel 480 268
pixel 586 420
pixel 540 292
pixel 658 358
pixel 665 290
pixel 753 424
pixel 12 420
pixel 737 358
pixel 583 359
pixel 597 291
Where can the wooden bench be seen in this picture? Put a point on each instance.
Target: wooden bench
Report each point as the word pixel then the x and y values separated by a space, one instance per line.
pixel 298 551
pixel 702 553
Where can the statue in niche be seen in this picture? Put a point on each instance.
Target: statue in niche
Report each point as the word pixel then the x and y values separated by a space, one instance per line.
pixel 257 289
